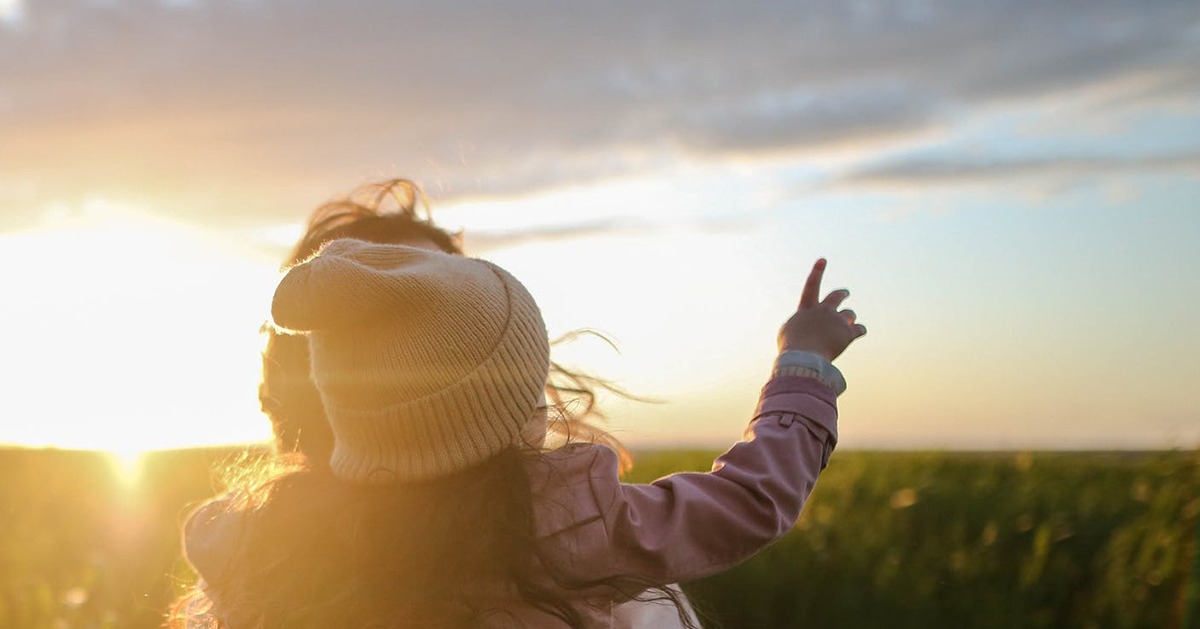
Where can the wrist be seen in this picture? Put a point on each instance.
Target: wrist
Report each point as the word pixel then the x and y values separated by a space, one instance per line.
pixel 805 363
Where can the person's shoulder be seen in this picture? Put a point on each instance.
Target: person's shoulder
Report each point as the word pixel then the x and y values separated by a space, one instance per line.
pixel 569 485
pixel 574 465
pixel 576 458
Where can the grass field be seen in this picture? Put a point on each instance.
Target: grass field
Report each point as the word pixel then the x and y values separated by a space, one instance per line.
pixel 888 540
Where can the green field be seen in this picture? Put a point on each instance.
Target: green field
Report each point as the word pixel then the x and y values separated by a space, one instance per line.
pixel 888 540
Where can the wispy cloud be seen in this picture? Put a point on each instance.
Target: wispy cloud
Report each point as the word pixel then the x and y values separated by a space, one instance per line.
pixel 966 170
pixel 479 241
pixel 482 241
pixel 808 119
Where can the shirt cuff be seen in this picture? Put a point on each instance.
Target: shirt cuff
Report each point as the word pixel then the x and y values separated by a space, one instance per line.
pixel 809 364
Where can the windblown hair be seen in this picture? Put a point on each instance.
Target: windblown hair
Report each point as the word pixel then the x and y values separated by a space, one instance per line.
pixel 317 552
pixel 396 211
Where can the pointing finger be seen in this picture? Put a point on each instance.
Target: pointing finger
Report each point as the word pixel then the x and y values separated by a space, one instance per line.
pixel 812 287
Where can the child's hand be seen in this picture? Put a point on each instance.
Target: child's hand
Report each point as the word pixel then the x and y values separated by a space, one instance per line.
pixel 818 326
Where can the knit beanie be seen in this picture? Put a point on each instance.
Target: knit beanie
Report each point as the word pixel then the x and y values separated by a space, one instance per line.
pixel 427 363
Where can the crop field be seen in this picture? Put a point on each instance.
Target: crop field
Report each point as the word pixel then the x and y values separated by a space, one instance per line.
pixel 889 539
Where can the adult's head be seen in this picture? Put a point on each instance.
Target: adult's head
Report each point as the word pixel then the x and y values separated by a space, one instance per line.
pixel 384 212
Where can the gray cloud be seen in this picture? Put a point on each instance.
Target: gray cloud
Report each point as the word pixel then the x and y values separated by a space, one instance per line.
pixel 810 120
pixel 249 111
pixel 1173 87
pixel 952 171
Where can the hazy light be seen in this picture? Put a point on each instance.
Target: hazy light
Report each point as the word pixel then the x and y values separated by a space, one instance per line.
pixel 127 465
pixel 11 11
pixel 127 333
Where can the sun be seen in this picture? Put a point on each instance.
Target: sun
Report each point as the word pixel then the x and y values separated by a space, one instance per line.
pixel 128 333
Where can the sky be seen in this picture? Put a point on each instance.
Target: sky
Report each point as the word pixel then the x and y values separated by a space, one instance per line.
pixel 1009 188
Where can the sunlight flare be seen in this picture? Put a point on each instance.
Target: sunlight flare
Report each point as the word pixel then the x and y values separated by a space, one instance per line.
pixel 128 333
pixel 127 465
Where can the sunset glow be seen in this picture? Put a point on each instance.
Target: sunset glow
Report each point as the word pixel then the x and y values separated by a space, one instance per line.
pixel 127 465
pixel 1013 207
pixel 129 333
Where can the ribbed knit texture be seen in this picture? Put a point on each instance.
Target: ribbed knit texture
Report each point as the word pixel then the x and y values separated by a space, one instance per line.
pixel 427 363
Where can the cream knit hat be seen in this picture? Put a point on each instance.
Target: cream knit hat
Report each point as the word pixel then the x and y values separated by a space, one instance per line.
pixel 427 362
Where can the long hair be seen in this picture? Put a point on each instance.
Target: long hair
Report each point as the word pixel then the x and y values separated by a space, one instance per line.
pixel 450 553
pixel 317 552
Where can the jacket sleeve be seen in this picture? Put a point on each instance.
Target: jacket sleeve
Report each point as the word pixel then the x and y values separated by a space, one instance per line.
pixel 690 525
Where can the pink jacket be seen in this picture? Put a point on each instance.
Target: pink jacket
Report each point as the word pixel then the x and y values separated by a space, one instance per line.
pixel 681 527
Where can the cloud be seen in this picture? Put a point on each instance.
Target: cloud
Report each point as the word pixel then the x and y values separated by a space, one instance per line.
pixel 11 12
pixel 809 120
pixel 250 112
pixel 479 241
pixel 1167 88
pixel 944 171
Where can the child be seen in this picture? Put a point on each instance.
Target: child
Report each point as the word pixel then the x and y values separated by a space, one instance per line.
pixel 389 212
pixel 440 509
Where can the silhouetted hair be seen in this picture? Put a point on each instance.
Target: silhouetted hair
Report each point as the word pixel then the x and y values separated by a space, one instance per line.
pixel 395 211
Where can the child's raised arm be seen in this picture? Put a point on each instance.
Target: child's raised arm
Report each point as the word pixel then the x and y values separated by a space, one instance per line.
pixel 691 525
